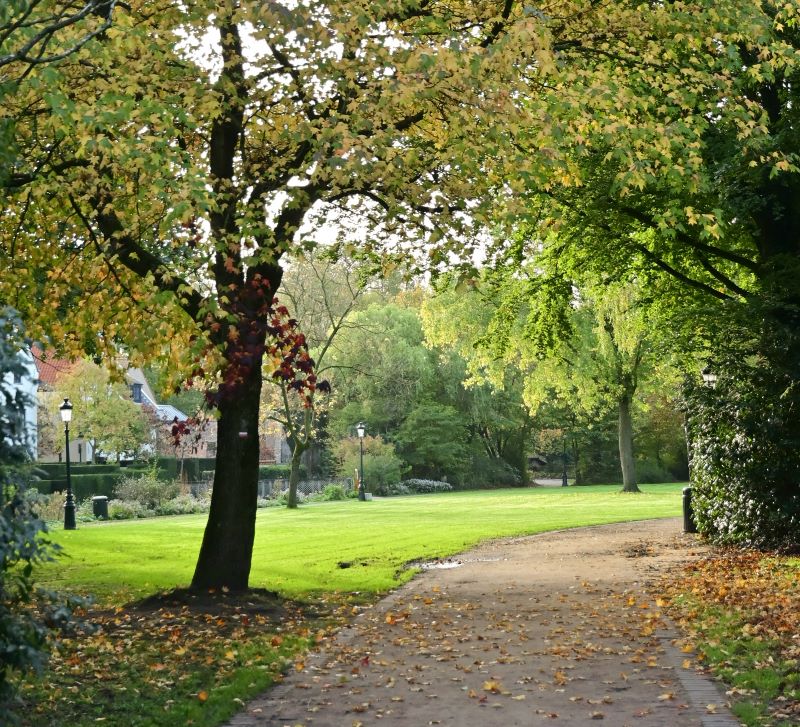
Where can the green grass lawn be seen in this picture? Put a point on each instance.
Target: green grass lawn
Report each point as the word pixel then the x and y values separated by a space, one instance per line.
pixel 297 552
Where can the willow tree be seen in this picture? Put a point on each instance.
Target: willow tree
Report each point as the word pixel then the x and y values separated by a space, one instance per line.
pixel 167 167
pixel 589 349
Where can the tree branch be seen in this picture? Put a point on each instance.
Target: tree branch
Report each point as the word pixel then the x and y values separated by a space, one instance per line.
pixel 54 24
pixel 733 257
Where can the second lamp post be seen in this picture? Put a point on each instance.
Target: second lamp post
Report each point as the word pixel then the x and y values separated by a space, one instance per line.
pixel 361 429
pixel 69 506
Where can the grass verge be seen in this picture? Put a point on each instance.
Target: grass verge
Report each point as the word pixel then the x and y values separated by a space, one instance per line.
pixel 178 659
pixel 741 613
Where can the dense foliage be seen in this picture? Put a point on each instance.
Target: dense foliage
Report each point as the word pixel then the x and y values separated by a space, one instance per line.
pixel 745 444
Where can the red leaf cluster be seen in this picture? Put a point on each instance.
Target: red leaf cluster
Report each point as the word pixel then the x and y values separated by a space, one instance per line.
pixel 257 326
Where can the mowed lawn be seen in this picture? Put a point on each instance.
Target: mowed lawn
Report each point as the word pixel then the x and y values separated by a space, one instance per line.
pixel 337 546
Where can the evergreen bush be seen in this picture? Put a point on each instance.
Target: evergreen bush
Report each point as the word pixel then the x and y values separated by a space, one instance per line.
pixel 29 615
pixel 649 471
pixel 182 505
pixel 745 444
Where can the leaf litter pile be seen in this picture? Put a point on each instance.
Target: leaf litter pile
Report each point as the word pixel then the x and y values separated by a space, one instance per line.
pixel 182 657
pixel 741 613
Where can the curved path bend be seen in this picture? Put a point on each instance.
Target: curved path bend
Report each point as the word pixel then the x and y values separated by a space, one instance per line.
pixel 557 628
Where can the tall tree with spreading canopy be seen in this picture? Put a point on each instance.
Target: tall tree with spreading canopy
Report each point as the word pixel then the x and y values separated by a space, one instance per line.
pixel 589 349
pixel 683 170
pixel 166 168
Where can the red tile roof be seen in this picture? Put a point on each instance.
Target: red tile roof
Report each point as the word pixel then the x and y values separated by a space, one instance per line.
pixel 49 368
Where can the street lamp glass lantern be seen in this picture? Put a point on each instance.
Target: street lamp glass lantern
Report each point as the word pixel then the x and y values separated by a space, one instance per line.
pixel 709 377
pixel 361 428
pixel 66 411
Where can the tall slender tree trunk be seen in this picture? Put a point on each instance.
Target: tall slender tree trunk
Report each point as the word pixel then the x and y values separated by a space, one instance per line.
pixel 294 472
pixel 227 549
pixel 626 445
pixel 301 444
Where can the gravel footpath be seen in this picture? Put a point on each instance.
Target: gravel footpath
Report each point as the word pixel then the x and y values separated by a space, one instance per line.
pixel 557 628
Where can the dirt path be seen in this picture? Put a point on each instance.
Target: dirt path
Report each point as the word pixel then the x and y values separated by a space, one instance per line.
pixel 548 629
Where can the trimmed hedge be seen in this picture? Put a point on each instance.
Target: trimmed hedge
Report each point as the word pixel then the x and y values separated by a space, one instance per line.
pixel 83 486
pixel 100 479
pixel 277 471
pixel 193 467
pixel 58 470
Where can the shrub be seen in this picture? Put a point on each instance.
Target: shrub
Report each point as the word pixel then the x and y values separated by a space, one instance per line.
pixel 182 505
pixel 649 471
pixel 426 486
pixel 381 465
pixel 391 490
pixel 283 498
pixel 267 502
pixel 49 507
pixel 146 489
pixel 333 492
pixel 127 510
pixel 491 472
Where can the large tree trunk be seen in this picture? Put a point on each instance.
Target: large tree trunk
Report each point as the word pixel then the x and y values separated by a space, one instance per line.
pixel 626 445
pixel 227 548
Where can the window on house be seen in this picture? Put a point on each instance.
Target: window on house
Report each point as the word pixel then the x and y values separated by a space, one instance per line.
pixel 136 393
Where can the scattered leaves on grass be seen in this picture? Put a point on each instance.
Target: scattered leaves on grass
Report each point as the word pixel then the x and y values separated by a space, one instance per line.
pixel 740 610
pixel 160 656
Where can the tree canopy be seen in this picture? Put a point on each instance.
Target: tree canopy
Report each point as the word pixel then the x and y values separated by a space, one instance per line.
pixel 165 168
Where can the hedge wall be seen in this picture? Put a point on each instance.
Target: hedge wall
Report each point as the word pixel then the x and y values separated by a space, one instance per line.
pixel 83 486
pixel 278 471
pixel 99 479
pixel 57 470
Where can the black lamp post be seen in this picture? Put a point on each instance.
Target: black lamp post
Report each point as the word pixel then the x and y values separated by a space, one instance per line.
pixel 69 506
pixel 564 482
pixel 361 428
